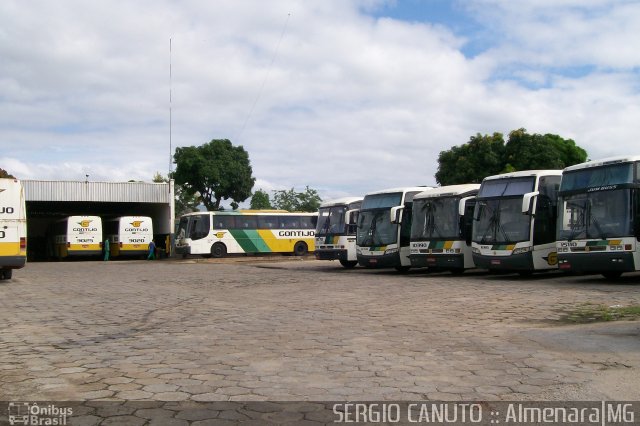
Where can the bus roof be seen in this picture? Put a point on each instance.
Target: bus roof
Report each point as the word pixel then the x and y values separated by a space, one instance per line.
pixel 604 162
pixel 402 189
pixel 340 201
pixel 450 190
pixel 525 173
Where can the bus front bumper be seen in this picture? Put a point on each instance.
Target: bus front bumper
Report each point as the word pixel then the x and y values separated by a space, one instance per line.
pixel 380 261
pixel 444 261
pixel 331 255
pixel 596 263
pixel 515 262
pixel 183 250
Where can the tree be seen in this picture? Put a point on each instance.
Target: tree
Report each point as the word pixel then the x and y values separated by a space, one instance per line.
pixel 260 200
pixel 216 170
pixel 488 155
pixel 290 200
pixel 470 163
pixel 5 174
pixel 538 152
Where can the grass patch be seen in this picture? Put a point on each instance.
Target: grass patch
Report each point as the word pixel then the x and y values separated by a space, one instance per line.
pixel 599 313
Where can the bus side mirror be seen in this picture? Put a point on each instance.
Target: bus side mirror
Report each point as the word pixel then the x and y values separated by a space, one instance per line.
pixel 526 201
pixel 396 214
pixel 463 205
pixel 350 217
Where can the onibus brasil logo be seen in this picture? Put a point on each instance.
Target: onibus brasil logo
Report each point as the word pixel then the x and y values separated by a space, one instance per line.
pixel 31 413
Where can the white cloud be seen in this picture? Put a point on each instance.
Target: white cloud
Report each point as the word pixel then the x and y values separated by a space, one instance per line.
pixel 318 92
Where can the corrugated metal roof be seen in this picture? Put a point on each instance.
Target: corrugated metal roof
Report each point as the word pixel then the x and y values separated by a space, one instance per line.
pixel 109 192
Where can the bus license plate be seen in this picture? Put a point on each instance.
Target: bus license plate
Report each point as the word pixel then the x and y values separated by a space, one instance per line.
pixel 495 262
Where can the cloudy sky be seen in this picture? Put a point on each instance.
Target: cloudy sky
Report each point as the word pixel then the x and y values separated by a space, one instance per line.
pixel 346 96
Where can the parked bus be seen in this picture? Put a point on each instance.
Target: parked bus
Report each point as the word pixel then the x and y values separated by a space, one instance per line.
pixel 13 227
pixel 514 225
pixel 129 235
pixel 441 228
pixel 599 218
pixel 77 236
pixel 216 234
pixel 384 228
pixel 336 230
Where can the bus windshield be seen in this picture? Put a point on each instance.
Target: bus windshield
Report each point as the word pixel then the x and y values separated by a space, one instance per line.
pixel 599 214
pixel 500 221
pixel 435 218
pixel 331 220
pixel 597 177
pixel 377 201
pixel 375 228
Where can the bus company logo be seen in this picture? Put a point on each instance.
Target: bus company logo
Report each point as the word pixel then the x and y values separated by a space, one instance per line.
pixel 26 413
pixel 136 227
pixel 552 259
pixel 219 234
pixel 7 210
pixel 85 223
pixel 296 233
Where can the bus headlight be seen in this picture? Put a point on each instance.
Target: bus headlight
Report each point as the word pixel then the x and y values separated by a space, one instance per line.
pixel 521 250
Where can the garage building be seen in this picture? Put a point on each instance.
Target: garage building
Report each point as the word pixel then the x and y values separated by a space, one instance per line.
pixel 50 201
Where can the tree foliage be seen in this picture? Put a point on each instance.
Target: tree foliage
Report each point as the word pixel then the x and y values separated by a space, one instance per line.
pixel 488 155
pixel 260 200
pixel 290 200
pixel 216 170
pixel 5 174
pixel 470 163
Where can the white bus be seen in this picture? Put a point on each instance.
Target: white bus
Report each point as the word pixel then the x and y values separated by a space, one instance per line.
pixel 216 234
pixel 336 230
pixel 599 217
pixel 384 228
pixel 441 228
pixel 129 235
pixel 77 236
pixel 13 227
pixel 514 225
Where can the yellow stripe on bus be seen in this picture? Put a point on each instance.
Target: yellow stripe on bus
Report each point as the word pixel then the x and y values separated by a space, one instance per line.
pixel 283 245
pixel 11 249
pixel 84 247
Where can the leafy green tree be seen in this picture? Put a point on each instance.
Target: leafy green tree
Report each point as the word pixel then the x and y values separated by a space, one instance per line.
pixel 5 174
pixel 260 200
pixel 290 200
pixel 525 151
pixel 470 163
pixel 216 170
pixel 488 155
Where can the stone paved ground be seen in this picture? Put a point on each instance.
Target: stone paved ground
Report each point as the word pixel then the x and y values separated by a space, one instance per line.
pixel 239 330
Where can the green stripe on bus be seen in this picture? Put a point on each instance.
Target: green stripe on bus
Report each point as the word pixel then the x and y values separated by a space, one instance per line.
pixel 250 241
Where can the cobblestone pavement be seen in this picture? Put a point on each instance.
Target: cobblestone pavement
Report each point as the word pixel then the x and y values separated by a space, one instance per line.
pixel 257 330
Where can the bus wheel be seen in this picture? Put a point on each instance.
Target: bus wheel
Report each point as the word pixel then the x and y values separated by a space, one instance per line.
pixel 300 249
pixel 403 269
pixel 612 275
pixel 5 274
pixel 349 263
pixel 218 250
